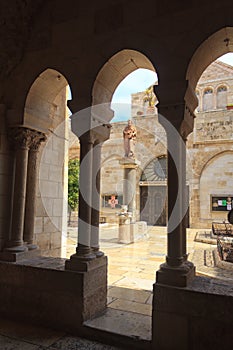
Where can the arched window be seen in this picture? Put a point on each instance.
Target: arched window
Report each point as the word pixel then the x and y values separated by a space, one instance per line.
pixel 221 97
pixel 208 99
pixel 156 170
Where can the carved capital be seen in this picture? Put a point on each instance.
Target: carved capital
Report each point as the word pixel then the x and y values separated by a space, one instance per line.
pixel 24 138
pixel 36 139
pixel 19 137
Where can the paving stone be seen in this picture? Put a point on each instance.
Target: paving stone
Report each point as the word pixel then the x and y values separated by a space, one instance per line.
pixel 122 322
pixel 7 343
pixel 29 333
pixel 75 343
pixel 129 294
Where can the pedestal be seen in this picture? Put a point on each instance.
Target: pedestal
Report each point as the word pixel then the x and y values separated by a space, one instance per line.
pixel 130 166
pixel 124 235
pixel 47 294
pixel 178 276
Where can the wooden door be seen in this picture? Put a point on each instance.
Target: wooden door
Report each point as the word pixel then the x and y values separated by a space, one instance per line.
pixel 153 205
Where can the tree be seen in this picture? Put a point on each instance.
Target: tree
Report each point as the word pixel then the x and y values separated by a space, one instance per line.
pixel 73 185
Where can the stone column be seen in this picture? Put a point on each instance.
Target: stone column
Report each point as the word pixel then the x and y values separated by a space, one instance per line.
pixel 177 270
pixel 95 211
pixel 129 186
pixel 176 192
pixel 83 250
pixel 29 219
pixel 21 138
pixel 101 134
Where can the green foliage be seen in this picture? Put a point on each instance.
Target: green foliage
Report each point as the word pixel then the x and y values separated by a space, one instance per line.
pixel 73 183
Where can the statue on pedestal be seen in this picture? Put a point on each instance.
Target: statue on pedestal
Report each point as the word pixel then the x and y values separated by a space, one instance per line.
pixel 129 135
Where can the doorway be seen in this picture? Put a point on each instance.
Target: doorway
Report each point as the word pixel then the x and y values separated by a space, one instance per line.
pixel 153 205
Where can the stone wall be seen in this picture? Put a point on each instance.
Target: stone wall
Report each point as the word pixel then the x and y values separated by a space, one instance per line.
pixel 51 204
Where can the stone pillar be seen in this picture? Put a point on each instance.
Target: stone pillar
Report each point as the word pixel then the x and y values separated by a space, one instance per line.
pixel 83 250
pixel 95 210
pixel 176 196
pixel 129 187
pixel 100 134
pixel 177 270
pixel 21 138
pixel 29 219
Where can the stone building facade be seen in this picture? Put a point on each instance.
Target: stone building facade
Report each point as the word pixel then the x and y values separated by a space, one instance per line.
pixel 208 150
pixel 210 147
pixel 208 153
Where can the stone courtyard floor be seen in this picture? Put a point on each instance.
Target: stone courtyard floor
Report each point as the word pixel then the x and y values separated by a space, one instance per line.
pixel 132 267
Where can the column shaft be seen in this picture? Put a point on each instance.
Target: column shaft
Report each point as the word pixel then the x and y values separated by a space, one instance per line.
pixel 95 212
pixel 88 222
pixel 30 198
pixel 177 270
pixel 176 189
pixel 129 196
pixel 30 205
pixel 19 197
pixel 83 249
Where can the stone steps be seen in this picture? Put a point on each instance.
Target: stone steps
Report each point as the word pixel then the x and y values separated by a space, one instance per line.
pixel 126 329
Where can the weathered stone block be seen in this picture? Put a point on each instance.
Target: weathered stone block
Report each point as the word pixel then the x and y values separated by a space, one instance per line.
pixel 45 293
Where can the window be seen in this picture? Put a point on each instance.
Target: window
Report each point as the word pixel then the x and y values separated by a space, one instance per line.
pixel 208 99
pixel 208 91
pixel 222 97
pixel 156 170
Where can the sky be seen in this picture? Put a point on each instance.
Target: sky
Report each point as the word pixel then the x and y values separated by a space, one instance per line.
pixel 138 81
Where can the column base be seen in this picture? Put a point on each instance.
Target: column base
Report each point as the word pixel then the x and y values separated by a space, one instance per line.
pixel 97 252
pixel 17 249
pixel 32 246
pixel 11 256
pixel 176 276
pixel 76 264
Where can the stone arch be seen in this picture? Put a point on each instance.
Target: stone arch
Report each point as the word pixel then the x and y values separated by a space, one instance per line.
pixel 46 111
pixel 220 168
pixel 216 45
pixel 112 173
pixel 111 156
pixel 212 158
pixel 114 71
pixel 40 106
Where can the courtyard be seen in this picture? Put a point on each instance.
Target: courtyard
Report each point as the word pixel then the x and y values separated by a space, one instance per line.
pixel 132 267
